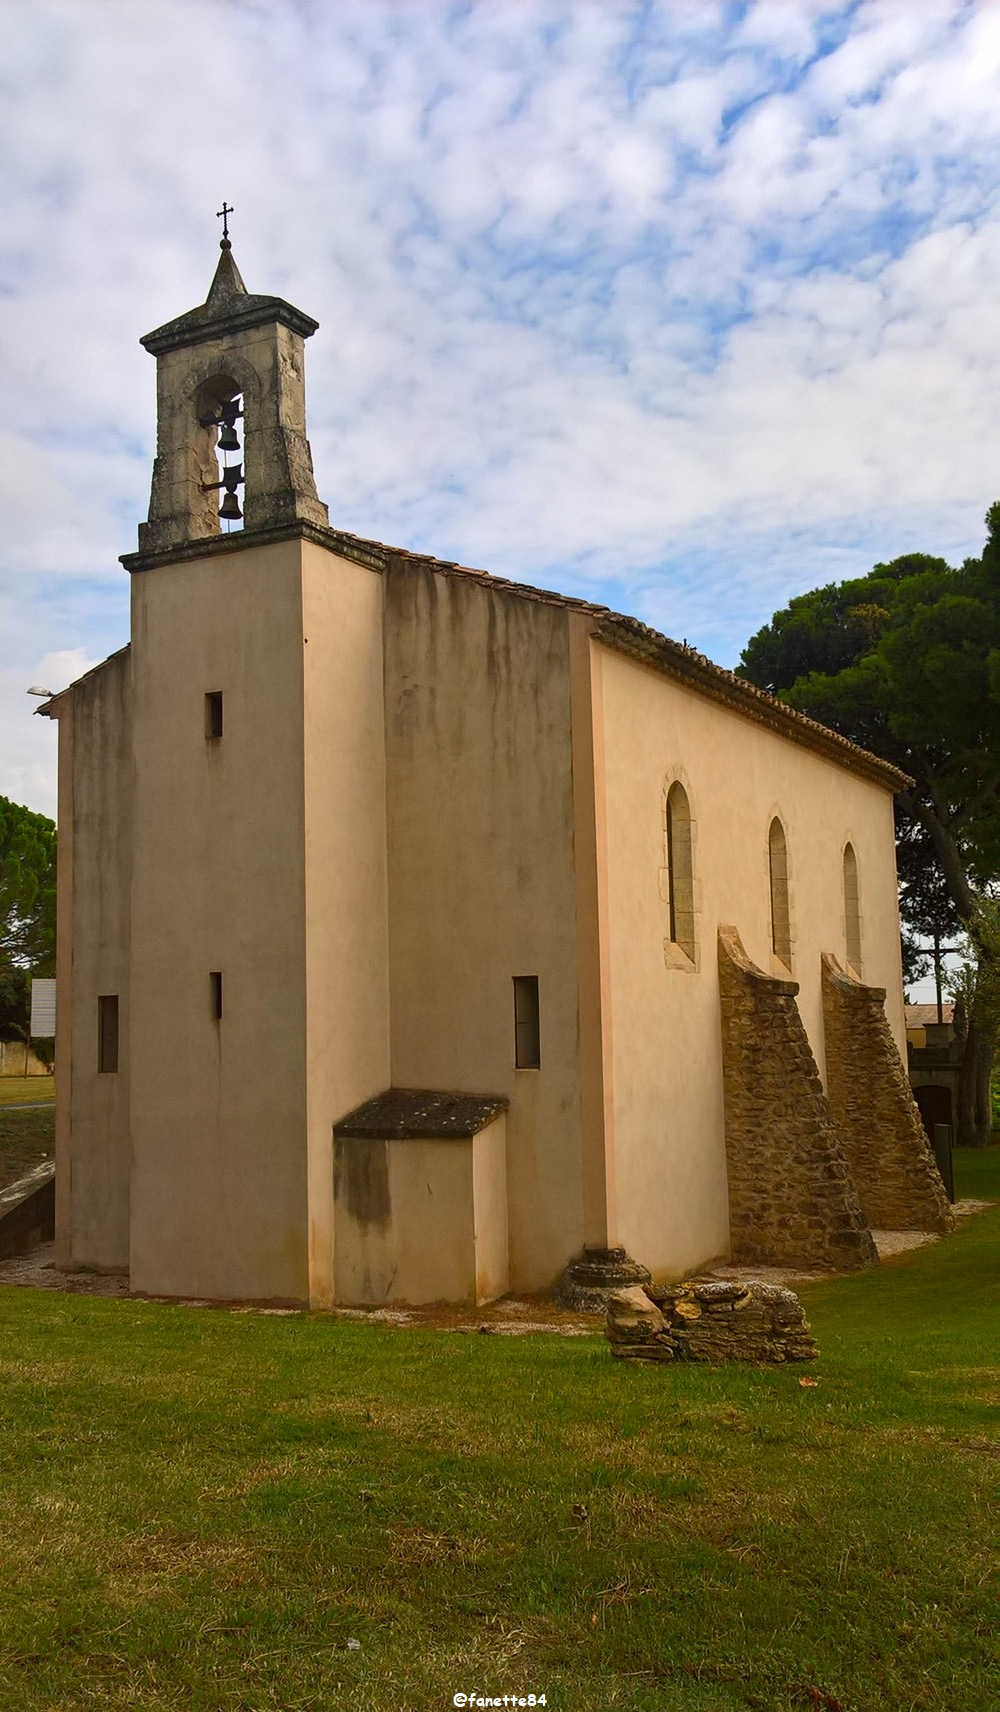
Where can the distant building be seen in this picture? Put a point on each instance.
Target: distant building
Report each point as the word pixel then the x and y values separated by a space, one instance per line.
pixel 934 1058
pixel 425 935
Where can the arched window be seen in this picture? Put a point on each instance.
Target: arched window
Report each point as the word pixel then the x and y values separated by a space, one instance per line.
pixel 679 868
pixel 777 857
pixel 852 909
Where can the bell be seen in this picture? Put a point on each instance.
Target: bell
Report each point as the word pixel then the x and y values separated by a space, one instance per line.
pixel 230 507
pixel 227 441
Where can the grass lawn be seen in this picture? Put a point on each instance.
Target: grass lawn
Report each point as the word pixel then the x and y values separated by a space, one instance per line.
pixel 26 1138
pixel 14 1089
pixel 200 1509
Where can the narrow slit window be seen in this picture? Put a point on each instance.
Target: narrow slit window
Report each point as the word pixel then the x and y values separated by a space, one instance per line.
pixel 215 982
pixel 213 715
pixel 680 869
pixel 527 1044
pixel 852 909
pixel 777 857
pixel 107 1034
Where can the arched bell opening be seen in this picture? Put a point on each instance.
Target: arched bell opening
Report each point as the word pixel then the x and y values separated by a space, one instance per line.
pixel 219 408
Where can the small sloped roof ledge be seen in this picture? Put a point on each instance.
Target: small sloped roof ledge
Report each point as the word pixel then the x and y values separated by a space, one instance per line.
pixel 407 1114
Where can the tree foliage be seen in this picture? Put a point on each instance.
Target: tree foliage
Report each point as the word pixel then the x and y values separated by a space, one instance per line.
pixel 906 662
pixel 27 911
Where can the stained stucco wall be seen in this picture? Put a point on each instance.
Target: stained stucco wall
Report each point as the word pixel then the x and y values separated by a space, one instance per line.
pixel 667 1094
pixel 95 805
pixel 261 855
pixel 481 879
pixel 219 1205
pixel 346 905
pixel 421 1219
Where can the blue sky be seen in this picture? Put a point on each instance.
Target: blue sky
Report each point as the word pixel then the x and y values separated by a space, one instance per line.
pixel 681 307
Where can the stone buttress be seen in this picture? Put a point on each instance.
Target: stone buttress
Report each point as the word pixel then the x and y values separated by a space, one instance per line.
pixel 881 1133
pixel 791 1198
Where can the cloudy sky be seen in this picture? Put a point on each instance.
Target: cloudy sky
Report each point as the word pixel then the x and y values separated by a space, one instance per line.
pixel 685 307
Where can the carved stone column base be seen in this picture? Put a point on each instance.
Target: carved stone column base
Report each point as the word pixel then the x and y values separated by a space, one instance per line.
pixel 589 1280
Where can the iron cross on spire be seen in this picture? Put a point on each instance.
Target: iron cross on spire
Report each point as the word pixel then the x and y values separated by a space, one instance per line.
pixel 223 215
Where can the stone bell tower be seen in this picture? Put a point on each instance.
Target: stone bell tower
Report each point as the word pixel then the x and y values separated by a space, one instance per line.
pixel 234 346
pixel 258 973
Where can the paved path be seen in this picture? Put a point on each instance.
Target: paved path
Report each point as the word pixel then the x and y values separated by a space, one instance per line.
pixel 26 1106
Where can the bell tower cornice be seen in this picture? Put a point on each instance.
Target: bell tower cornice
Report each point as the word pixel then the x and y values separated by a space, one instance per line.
pixel 228 308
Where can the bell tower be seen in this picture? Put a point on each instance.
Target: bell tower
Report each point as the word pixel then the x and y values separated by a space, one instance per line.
pixel 238 357
pixel 258 976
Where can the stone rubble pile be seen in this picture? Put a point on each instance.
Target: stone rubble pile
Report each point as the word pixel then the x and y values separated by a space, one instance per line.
pixel 715 1321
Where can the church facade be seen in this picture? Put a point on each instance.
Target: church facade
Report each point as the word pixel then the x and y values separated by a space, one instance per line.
pixel 425 936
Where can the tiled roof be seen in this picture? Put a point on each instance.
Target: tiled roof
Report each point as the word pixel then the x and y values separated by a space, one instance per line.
pixel 47 706
pixel 918 1015
pixel 675 659
pixel 615 629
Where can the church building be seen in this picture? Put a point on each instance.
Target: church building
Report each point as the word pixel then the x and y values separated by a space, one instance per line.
pixel 425 936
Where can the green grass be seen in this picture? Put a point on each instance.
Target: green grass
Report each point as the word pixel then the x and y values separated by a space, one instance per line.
pixel 14 1089
pixel 200 1508
pixel 26 1137
pixel 977 1172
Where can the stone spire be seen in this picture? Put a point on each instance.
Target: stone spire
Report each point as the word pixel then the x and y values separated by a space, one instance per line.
pixel 228 281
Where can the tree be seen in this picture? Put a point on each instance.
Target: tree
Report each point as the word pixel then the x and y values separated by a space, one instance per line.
pixel 906 662
pixel 27 911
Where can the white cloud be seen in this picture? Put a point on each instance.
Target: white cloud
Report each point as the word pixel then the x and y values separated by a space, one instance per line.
pixel 620 298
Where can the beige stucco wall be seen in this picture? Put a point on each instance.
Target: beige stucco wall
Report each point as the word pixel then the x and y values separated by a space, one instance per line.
pixel 94 814
pixel 491 1235
pixel 346 905
pixel 442 1233
pixel 667 1076
pixel 481 879
pixel 219 1204
pixel 261 855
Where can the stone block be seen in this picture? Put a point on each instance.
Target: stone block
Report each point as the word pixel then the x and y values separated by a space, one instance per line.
pixel 715 1321
pixel 589 1281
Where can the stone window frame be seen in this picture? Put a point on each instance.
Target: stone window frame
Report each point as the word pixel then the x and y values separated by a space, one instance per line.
pixel 681 953
pixel 853 941
pixel 779 890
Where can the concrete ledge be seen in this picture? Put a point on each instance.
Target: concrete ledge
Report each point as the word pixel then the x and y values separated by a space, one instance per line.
pixel 28 1211
pixel 402 1113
